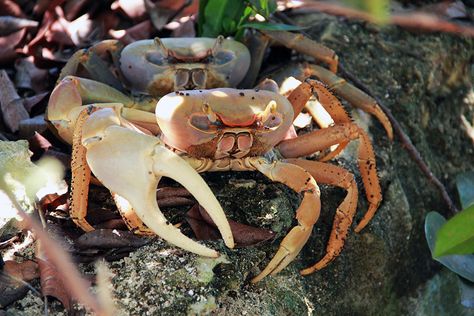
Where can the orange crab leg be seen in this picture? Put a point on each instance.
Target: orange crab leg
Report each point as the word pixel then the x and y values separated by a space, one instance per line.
pixel 305 45
pixel 324 138
pixel 81 176
pixel 299 98
pixel 355 96
pixel 307 214
pixel 340 177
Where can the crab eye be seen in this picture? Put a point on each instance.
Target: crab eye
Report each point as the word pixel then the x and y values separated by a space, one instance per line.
pixel 223 57
pixel 202 123
pixel 156 58
pixel 274 120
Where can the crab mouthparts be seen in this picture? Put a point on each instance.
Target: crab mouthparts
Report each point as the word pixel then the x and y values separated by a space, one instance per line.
pixel 234 144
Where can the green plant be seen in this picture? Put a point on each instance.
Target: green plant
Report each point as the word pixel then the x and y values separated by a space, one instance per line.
pixel 232 17
pixel 452 242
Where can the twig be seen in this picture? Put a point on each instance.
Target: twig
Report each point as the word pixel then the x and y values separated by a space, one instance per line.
pixel 404 139
pixel 413 20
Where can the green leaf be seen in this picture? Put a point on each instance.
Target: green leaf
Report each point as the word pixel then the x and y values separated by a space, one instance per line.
pixel 219 17
pixel 465 186
pixel 457 235
pixel 463 265
pixel 273 26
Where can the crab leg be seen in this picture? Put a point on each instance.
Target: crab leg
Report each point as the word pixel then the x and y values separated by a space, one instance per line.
pixel 307 214
pixel 340 177
pixel 329 103
pixel 72 93
pixel 355 96
pixel 97 68
pixel 305 45
pixel 131 164
pixel 80 178
pixel 324 138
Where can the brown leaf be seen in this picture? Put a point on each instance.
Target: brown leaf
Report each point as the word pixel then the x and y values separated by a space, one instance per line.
pixel 137 32
pixel 244 235
pixel 52 201
pixel 38 144
pixel 175 201
pixel 52 283
pixel 10 103
pixel 183 27
pixel 132 8
pixel 10 24
pixel 108 239
pixel 8 45
pixel 200 227
pixel 30 102
pixel 26 270
pixel 28 76
pixel 33 125
pixel 9 7
pixel 166 192
pixel 72 8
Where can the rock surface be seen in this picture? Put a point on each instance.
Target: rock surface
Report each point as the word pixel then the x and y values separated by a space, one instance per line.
pixel 426 81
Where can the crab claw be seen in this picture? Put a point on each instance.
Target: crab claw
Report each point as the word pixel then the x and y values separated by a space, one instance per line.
pixel 131 164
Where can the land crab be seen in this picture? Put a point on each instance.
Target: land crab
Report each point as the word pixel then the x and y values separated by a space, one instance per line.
pixel 211 130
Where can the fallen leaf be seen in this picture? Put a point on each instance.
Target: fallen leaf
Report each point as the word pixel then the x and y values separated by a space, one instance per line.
pixel 137 32
pixel 30 126
pixel 166 192
pixel 134 9
pixel 175 201
pixel 38 144
pixel 52 283
pixel 26 270
pixel 8 46
pixel 28 76
pixel 108 239
pixel 10 103
pixel 9 7
pixel 10 24
pixel 30 102
pixel 244 235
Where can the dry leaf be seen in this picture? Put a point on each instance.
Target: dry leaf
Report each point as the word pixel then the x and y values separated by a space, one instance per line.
pixel 30 102
pixel 10 24
pixel 28 76
pixel 137 32
pixel 244 235
pixel 108 239
pixel 10 103
pixel 51 281
pixel 134 9
pixel 9 7
pixel 8 45
pixel 26 270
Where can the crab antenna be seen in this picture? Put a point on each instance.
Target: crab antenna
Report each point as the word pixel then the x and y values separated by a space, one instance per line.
pixel 161 46
pixel 217 45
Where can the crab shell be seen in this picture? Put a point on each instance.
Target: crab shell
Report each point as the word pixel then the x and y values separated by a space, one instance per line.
pixel 225 122
pixel 162 65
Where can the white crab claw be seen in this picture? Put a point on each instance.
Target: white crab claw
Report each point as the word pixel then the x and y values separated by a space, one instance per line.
pixel 131 164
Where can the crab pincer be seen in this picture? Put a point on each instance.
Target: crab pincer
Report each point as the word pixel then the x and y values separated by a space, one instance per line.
pixel 131 164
